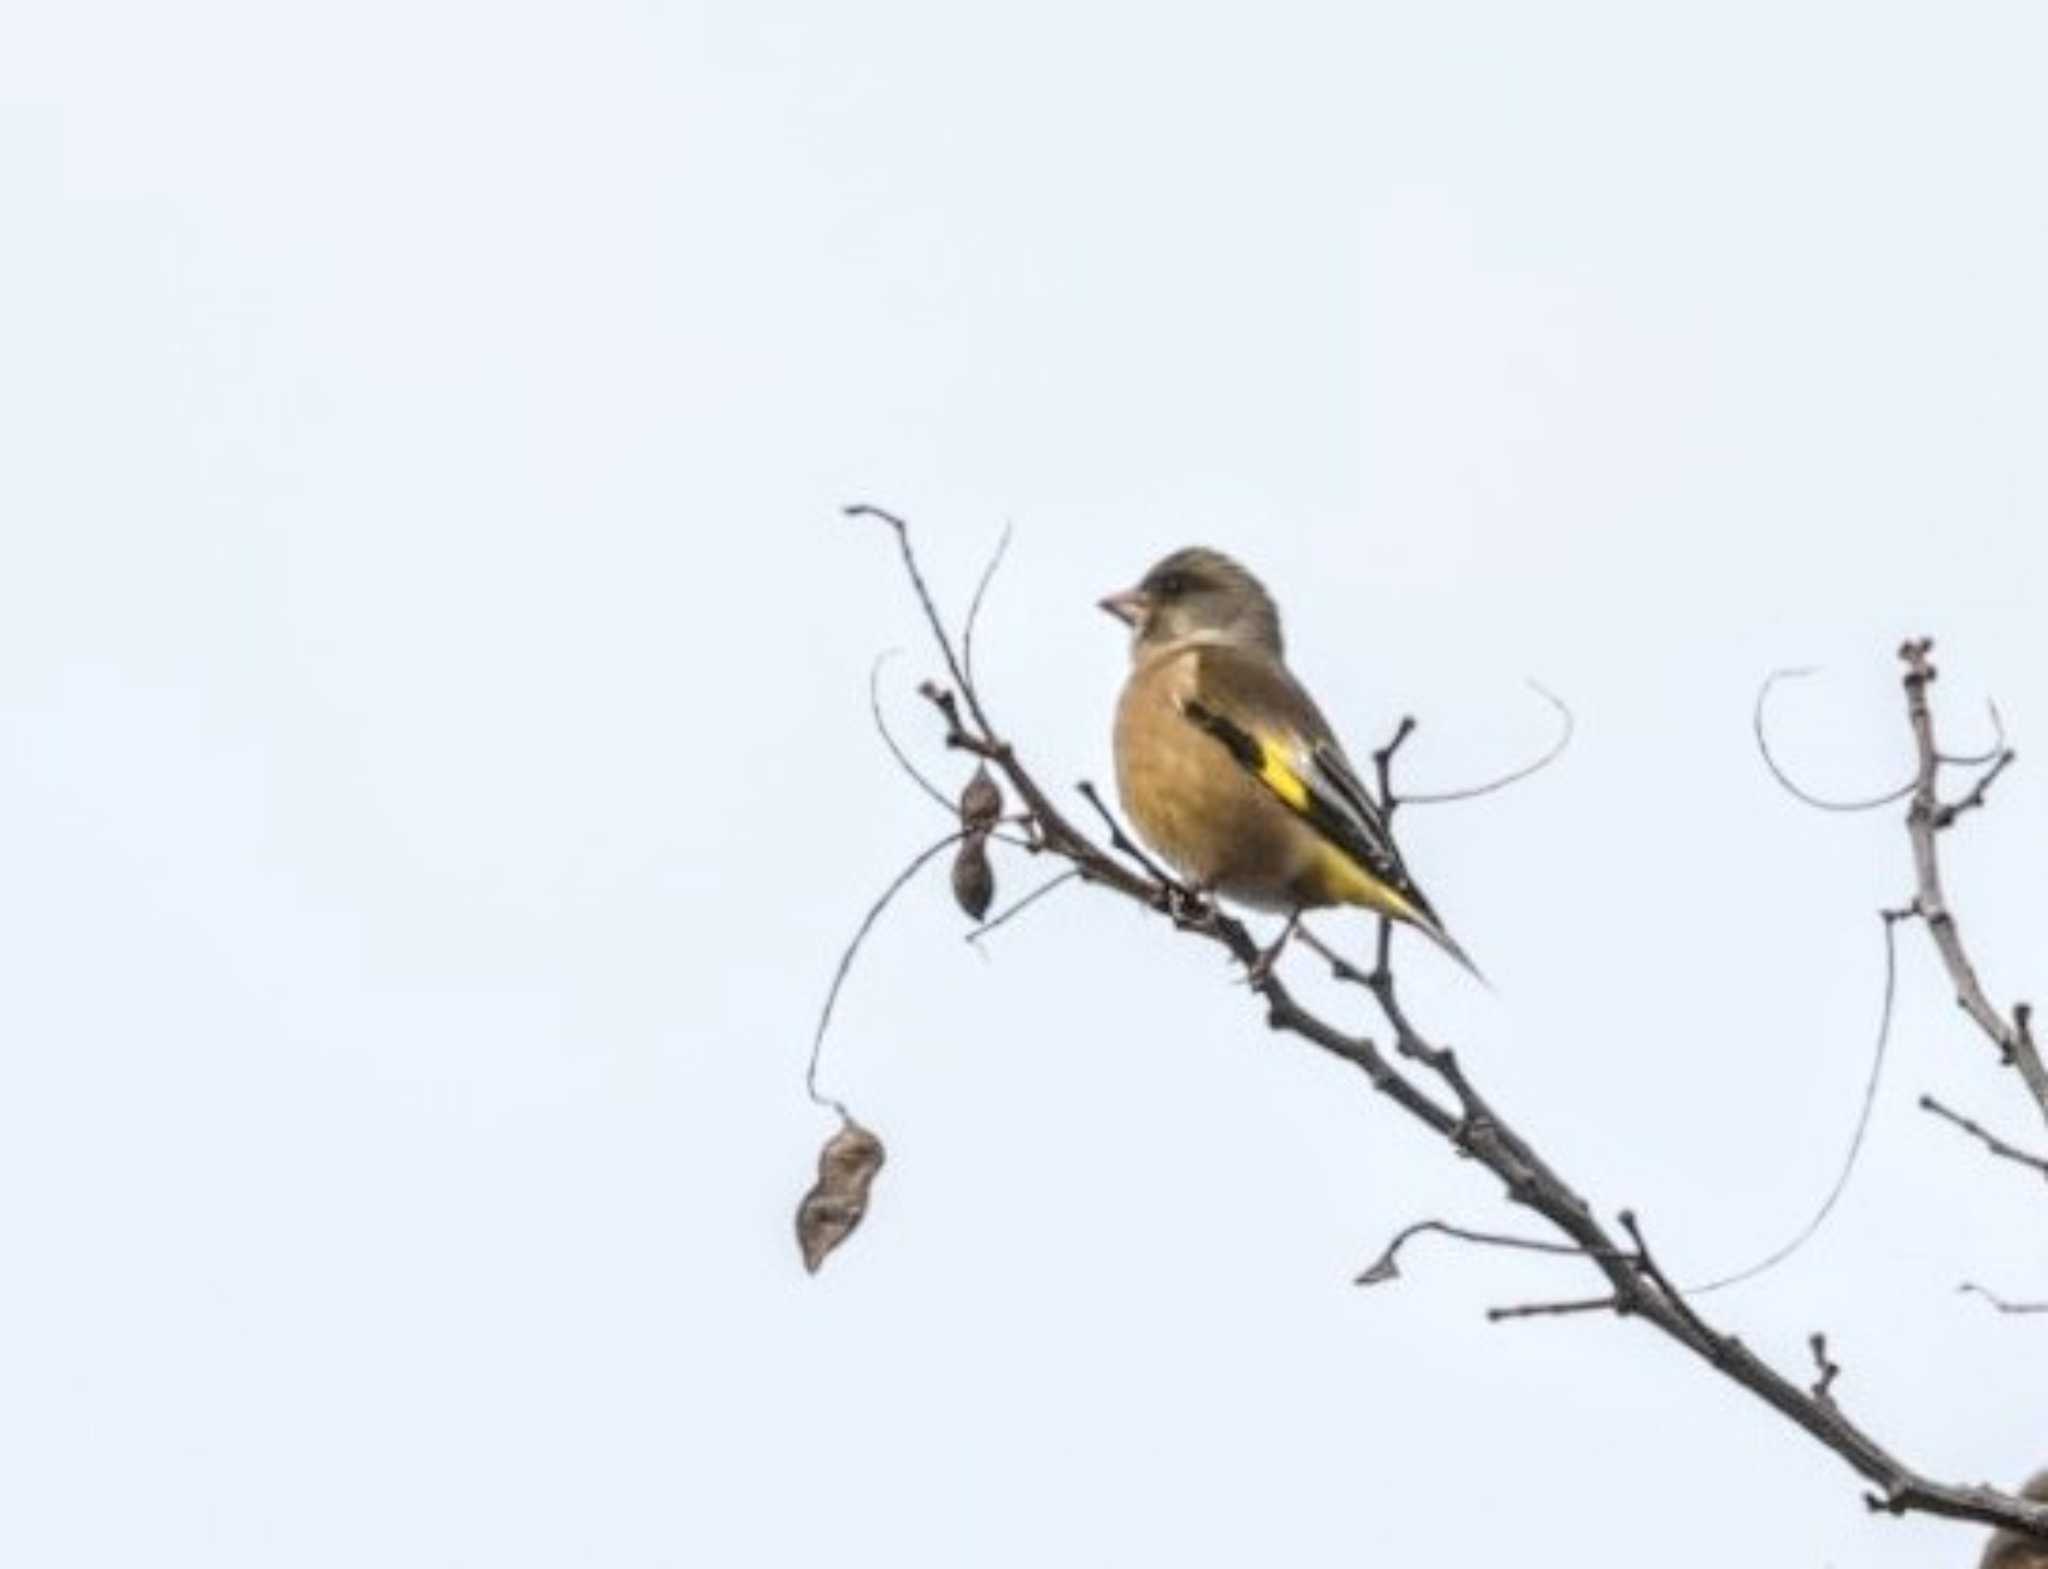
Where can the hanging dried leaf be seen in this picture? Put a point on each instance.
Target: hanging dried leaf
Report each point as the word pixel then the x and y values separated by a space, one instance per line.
pixel 974 880
pixel 837 1200
pixel 981 802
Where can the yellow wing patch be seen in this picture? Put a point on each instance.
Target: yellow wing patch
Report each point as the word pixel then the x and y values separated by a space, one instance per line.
pixel 1279 777
pixel 1342 879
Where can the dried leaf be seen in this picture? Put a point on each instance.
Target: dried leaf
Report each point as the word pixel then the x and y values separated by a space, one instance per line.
pixel 974 880
pixel 837 1200
pixel 981 802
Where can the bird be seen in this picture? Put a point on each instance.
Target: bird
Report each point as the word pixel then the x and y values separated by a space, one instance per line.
pixel 2010 1550
pixel 1228 769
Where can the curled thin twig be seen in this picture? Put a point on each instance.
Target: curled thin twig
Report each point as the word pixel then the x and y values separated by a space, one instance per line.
pixel 888 737
pixel 867 924
pixel 1387 1267
pixel 1763 746
pixel 1884 1031
pixel 1990 753
pixel 1550 755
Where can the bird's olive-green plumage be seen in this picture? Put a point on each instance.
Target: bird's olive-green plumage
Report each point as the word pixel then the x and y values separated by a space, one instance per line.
pixel 1227 767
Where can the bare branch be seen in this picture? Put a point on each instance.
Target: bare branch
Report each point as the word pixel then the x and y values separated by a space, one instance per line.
pixel 2014 1037
pixel 1763 746
pixel 1551 754
pixel 1989 1140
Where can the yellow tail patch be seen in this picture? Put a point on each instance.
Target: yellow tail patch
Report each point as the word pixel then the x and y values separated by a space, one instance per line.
pixel 1349 883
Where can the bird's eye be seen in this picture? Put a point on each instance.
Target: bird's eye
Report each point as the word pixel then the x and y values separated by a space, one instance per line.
pixel 1173 585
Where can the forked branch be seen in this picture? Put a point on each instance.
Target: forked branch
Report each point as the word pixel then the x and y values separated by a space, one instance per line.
pixel 1925 822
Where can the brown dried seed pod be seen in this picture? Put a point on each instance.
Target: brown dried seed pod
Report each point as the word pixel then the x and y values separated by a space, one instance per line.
pixel 981 801
pixel 837 1200
pixel 974 880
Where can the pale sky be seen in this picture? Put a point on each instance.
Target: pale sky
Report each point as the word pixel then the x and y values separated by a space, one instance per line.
pixel 437 779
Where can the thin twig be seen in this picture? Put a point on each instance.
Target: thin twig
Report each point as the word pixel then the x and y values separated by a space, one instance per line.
pixel 1828 1368
pixel 1877 1056
pixel 1122 842
pixel 1763 746
pixel 1387 1267
pixel 1500 1315
pixel 1946 814
pixel 925 600
pixel 1647 1262
pixel 921 780
pixel 1551 754
pixel 1383 763
pixel 1971 1288
pixel 1023 904
pixel 1989 1140
pixel 974 607
pixel 1341 968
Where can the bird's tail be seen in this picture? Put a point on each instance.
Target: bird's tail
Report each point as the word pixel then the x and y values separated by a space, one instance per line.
pixel 1399 899
pixel 1414 910
pixel 1433 929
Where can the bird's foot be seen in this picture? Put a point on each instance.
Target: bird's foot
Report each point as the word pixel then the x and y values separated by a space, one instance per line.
pixel 1189 905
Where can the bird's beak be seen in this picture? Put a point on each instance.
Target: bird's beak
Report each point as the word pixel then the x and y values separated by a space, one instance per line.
pixel 1128 607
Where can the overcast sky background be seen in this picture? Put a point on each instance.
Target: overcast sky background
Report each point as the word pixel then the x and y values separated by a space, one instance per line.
pixel 436 781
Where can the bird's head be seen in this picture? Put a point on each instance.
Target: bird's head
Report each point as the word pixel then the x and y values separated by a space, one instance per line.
pixel 1197 593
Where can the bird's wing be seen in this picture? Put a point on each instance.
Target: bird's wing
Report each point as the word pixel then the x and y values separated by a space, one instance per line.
pixel 1249 702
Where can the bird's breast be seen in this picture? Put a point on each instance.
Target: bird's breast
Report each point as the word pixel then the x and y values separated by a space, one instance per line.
pixel 1197 807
